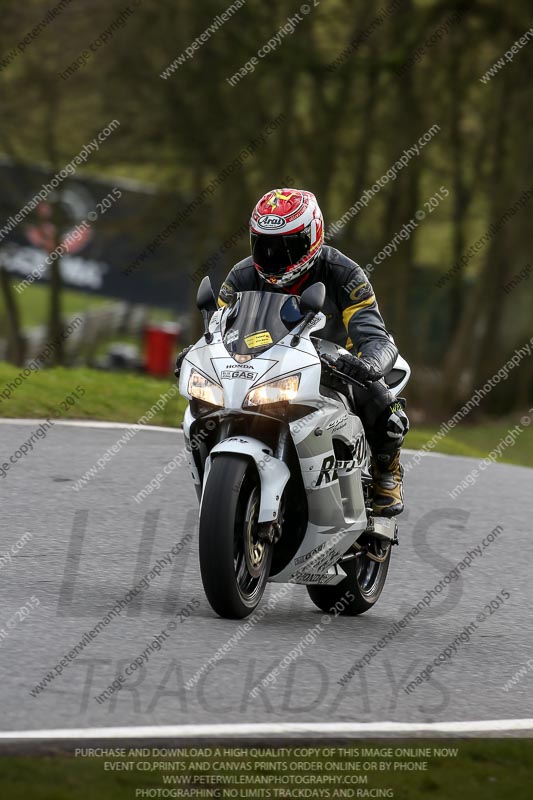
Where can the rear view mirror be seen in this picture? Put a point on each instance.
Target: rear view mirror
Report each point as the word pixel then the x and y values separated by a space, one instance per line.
pixel 206 302
pixel 312 299
pixel 205 299
pixel 311 302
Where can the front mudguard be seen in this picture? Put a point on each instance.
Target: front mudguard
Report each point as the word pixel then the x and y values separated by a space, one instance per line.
pixel 273 473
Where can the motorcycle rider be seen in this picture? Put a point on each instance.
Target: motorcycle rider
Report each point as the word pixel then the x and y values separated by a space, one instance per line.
pixel 289 254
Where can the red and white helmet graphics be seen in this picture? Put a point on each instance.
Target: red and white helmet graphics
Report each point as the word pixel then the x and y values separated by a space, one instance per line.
pixel 287 234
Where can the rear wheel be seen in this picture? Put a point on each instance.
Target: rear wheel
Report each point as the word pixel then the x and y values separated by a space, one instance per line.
pixel 234 562
pixel 366 566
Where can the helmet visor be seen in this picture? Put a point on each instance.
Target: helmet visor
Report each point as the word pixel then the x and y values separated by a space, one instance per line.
pixel 275 254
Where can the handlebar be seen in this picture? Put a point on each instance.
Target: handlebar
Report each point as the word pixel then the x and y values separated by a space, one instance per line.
pixel 329 362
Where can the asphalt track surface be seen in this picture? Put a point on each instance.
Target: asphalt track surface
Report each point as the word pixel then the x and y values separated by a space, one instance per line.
pixel 89 547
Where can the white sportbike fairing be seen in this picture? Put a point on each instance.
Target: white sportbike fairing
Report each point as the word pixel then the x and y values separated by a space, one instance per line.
pixel 261 409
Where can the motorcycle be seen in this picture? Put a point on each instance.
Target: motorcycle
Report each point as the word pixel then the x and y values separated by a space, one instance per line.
pixel 279 457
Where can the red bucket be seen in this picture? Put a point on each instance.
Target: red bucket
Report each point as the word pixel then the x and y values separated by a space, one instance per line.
pixel 160 344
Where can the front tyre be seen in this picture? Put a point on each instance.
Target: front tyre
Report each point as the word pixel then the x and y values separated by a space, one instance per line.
pixel 234 563
pixel 366 569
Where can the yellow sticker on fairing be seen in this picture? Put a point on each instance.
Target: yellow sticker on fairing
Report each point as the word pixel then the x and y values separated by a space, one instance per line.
pixel 258 339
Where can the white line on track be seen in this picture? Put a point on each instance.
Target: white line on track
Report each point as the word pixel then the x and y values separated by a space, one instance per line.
pixel 82 423
pixel 424 453
pixel 274 730
pixel 160 429
pixel 125 425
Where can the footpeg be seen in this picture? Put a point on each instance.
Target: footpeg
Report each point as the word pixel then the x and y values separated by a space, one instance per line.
pixel 383 528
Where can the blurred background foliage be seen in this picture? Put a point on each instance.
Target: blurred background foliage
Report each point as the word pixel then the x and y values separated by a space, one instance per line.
pixel 345 123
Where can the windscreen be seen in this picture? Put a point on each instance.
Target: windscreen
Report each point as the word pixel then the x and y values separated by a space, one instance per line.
pixel 257 320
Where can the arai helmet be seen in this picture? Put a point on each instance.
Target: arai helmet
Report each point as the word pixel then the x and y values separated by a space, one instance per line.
pixel 286 235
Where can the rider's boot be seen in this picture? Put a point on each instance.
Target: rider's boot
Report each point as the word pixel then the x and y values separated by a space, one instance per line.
pixel 387 473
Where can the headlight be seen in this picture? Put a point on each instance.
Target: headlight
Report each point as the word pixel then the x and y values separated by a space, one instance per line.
pixel 274 392
pixel 204 389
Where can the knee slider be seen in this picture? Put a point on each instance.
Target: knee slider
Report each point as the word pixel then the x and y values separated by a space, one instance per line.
pixel 397 424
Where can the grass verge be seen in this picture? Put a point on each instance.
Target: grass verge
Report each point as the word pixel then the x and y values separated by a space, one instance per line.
pixel 477 441
pixel 111 396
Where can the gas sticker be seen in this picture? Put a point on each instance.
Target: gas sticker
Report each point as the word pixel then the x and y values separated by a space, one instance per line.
pixel 258 339
pixel 237 373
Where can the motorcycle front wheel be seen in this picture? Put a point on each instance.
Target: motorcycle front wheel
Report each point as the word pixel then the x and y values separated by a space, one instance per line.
pixel 366 570
pixel 234 562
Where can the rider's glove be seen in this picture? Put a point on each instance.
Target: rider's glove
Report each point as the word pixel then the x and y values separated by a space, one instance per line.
pixel 179 360
pixel 360 369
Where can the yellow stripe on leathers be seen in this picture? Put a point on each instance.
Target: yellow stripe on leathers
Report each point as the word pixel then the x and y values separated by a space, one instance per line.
pixel 221 303
pixel 349 346
pixel 348 313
